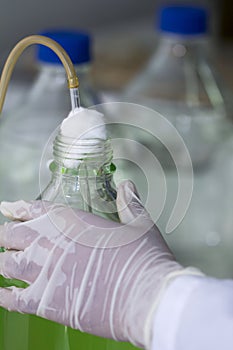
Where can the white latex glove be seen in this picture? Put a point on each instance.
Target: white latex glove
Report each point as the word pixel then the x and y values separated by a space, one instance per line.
pixel 85 272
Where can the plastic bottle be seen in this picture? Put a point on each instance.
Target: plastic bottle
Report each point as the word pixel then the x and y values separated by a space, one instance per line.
pixel 25 131
pixel 180 83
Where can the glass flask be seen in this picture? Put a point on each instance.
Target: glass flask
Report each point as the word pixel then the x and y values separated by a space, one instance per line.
pixel 181 83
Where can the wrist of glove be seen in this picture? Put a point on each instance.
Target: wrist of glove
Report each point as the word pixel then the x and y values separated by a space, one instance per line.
pixel 85 272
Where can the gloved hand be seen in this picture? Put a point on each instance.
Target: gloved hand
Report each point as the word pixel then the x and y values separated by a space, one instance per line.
pixel 83 271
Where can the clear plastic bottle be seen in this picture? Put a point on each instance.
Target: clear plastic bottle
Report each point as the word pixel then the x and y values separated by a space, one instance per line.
pixel 25 130
pixel 181 83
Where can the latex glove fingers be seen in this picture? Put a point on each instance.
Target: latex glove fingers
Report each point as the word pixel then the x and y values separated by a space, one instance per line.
pixel 22 264
pixel 33 247
pixel 14 265
pixel 16 236
pixel 62 219
pixel 72 276
pixel 94 275
pixel 9 298
pixel 23 211
pixel 129 205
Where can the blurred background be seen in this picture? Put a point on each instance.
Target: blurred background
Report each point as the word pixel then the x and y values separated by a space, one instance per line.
pixel 123 40
pixel 123 31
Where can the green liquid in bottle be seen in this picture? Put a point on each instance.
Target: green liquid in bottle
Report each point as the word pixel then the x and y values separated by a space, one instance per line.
pixel 27 332
pixel 14 330
pixel 1 327
pixel 46 335
pixel 13 326
pixel 80 341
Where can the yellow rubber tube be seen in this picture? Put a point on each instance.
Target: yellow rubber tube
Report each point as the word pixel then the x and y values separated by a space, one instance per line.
pixel 17 51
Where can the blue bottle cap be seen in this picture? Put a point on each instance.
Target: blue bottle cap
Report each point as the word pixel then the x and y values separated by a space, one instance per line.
pixel 184 20
pixel 75 43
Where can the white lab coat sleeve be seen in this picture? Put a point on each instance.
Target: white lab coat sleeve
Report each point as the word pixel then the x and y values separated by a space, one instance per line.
pixel 195 313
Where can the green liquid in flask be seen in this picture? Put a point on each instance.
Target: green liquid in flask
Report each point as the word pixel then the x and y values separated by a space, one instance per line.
pixel 81 341
pixel 27 332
